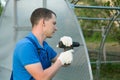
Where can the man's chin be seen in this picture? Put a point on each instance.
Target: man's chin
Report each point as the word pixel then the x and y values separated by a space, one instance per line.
pixel 49 36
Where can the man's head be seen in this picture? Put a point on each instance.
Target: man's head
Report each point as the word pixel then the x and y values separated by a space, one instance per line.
pixel 45 22
pixel 40 13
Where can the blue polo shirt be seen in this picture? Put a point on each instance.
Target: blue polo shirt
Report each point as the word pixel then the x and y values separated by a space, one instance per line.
pixel 25 53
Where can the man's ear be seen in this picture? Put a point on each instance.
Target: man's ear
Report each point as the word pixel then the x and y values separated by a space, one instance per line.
pixel 43 22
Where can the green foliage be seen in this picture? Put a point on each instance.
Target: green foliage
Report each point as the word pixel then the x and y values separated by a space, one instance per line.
pixel 97 24
pixel 92 36
pixel 114 3
pixel 116 35
pixel 0 9
pixel 115 32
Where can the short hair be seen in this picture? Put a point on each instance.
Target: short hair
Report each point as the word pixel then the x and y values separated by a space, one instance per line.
pixel 40 13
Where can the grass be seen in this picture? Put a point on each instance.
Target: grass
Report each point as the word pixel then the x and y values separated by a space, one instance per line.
pixel 109 71
pixel 97 37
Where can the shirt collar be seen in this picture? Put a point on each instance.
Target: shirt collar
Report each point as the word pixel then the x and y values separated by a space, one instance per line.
pixel 45 45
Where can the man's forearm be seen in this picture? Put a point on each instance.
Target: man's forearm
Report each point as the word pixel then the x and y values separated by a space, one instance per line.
pixel 51 71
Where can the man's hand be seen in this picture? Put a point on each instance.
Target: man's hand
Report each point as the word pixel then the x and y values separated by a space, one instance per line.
pixel 66 40
pixel 66 57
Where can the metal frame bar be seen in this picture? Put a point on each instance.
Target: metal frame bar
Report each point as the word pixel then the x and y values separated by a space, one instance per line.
pixel 89 66
pixel 23 28
pixel 2 66
pixel 87 18
pixel 103 42
pixel 75 2
pixel 15 18
pixel 102 62
pixel 15 12
pixel 18 28
pixel 114 18
pixel 44 3
pixel 97 7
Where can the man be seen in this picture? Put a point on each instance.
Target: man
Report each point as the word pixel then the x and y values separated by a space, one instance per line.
pixel 27 63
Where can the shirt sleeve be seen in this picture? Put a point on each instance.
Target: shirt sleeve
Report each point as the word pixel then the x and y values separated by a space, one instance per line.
pixel 28 54
pixel 52 53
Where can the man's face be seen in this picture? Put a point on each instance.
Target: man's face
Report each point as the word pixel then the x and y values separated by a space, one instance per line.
pixel 50 26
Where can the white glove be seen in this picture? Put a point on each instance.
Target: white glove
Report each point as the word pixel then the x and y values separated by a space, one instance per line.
pixel 66 40
pixel 66 57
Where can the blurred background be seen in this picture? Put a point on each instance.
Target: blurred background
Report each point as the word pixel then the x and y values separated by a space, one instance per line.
pixel 94 17
pixel 100 23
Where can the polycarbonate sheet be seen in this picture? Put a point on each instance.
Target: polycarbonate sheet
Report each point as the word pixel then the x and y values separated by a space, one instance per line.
pixel 24 9
pixel 7 31
pixel 67 25
pixel 6 41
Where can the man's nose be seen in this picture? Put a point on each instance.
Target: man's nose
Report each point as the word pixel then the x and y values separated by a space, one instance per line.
pixel 55 28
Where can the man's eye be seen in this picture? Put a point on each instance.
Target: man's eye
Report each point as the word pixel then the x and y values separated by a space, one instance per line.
pixel 54 23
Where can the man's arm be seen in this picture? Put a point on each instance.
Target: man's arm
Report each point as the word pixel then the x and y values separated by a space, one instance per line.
pixel 38 73
pixel 64 58
pixel 54 59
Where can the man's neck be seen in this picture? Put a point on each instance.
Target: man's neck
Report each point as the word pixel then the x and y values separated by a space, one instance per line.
pixel 40 37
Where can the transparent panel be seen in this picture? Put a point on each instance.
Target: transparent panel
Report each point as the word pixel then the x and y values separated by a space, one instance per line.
pixel 6 41
pixel 24 9
pixel 67 25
